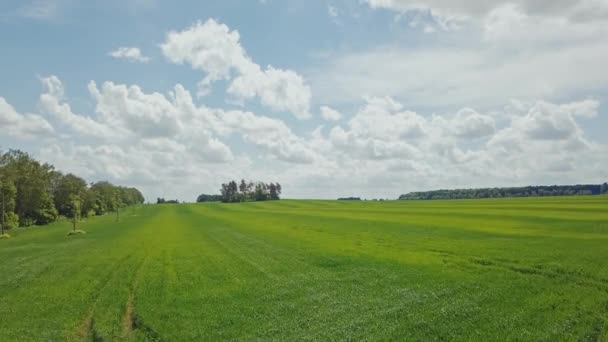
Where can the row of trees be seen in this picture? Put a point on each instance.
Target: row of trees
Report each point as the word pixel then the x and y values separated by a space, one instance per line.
pixel 527 191
pixel 208 198
pixel 249 191
pixel 35 193
pixel 161 200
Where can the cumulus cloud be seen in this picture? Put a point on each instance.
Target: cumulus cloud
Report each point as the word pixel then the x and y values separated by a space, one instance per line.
pixel 270 134
pixel 52 102
pixel 24 126
pixel 470 124
pixel 147 115
pixel 132 54
pixel 434 117
pixel 380 130
pixel 216 50
pixel 382 144
pixel 330 114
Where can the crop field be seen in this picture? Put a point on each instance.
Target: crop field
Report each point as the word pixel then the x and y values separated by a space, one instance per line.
pixel 508 269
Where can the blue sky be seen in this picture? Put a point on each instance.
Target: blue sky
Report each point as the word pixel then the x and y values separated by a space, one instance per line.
pixel 368 98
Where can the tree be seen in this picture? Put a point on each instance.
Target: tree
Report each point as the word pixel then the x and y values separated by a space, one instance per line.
pixel 231 192
pixel 35 193
pixel 33 183
pixel 243 189
pixel 208 198
pixel 261 192
pixel 117 203
pixel 8 218
pixel 74 209
pixel 527 191
pixel 273 194
pixel 2 208
pixel 65 187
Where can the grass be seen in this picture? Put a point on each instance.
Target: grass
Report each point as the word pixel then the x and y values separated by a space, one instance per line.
pixel 510 269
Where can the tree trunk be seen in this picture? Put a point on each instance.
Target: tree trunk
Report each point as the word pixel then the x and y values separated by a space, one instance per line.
pixel 2 211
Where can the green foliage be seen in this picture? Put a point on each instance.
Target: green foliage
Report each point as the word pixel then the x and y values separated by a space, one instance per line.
pixel 46 212
pixel 208 198
pixel 8 193
pixel 231 193
pixel 32 181
pixel 4 236
pixel 161 200
pixel 528 191
pixel 67 186
pixel 36 193
pixel 11 220
pixel 76 232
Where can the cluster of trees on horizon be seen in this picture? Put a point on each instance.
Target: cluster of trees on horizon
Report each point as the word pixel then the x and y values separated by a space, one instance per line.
pixel 32 193
pixel 248 191
pixel 161 200
pixel 527 191
pixel 208 198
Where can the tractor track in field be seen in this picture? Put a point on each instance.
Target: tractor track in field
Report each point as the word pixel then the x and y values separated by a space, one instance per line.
pixel 132 322
pixel 87 327
pixel 538 270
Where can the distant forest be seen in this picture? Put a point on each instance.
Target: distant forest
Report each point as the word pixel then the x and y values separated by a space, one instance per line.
pixel 208 198
pixel 35 193
pixel 527 191
pixel 232 192
pixel 161 200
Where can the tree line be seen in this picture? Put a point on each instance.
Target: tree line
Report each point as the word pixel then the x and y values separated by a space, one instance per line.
pixel 208 198
pixel 34 193
pixel 232 192
pixel 161 200
pixel 527 191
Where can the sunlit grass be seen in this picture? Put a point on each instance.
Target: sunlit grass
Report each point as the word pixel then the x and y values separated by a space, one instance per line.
pixel 518 269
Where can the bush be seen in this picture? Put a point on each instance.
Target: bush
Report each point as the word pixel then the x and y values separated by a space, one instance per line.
pixel 4 236
pixel 76 232
pixel 11 220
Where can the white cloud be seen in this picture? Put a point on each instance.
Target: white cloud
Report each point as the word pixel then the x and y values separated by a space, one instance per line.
pixel 52 102
pixel 23 126
pixel 330 114
pixel 146 115
pixel 39 9
pixel 270 134
pixel 382 150
pixel 456 77
pixel 469 124
pixel 216 50
pixel 171 145
pixel 129 53
pixel 380 130
pixel 576 10
pixel 332 11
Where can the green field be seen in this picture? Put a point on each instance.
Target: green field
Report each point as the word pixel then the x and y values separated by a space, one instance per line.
pixel 512 269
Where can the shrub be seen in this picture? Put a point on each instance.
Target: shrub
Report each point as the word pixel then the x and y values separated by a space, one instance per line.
pixel 76 232
pixel 11 220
